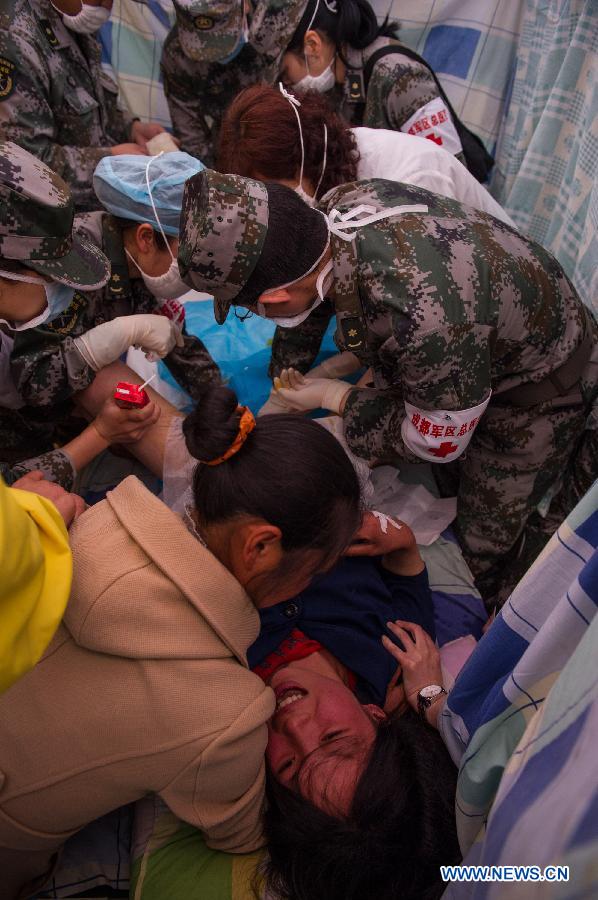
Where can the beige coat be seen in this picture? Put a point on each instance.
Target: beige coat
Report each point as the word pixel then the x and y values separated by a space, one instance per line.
pixel 144 688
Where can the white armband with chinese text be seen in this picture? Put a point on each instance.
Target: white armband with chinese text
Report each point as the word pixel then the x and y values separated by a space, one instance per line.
pixel 434 122
pixel 440 435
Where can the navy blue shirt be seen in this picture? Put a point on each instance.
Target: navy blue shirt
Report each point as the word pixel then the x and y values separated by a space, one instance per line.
pixel 346 610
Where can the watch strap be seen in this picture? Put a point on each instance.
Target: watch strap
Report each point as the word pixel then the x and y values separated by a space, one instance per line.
pixel 424 703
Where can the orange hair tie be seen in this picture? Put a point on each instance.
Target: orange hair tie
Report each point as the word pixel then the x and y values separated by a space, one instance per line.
pixel 246 426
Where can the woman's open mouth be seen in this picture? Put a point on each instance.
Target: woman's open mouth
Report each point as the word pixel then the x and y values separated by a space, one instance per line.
pixel 287 694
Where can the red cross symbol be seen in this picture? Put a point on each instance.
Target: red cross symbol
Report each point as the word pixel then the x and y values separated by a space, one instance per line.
pixel 445 448
pixel 433 137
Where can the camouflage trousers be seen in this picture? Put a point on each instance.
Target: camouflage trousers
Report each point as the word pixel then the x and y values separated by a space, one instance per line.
pixel 515 457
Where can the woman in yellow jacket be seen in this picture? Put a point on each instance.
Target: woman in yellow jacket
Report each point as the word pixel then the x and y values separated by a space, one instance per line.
pixel 37 568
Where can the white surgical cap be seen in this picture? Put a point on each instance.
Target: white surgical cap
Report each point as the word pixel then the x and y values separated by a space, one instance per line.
pixel 121 185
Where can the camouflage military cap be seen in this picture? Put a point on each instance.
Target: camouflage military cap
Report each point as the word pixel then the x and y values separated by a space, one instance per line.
pixel 209 31
pixel 273 24
pixel 224 222
pixel 36 222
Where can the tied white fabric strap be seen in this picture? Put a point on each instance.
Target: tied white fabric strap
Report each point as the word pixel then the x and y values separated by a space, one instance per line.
pixel 324 162
pixel 383 521
pixel 294 105
pixel 343 225
pixel 330 6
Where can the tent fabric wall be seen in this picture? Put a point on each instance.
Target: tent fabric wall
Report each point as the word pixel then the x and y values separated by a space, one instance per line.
pixel 132 42
pixel 547 162
pixel 471 45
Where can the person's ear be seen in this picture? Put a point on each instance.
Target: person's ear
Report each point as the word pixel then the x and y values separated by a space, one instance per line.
pixel 145 240
pixel 312 45
pixel 280 295
pixel 376 714
pixel 261 549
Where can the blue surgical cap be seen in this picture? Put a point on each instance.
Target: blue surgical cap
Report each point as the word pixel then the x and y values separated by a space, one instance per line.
pixel 121 185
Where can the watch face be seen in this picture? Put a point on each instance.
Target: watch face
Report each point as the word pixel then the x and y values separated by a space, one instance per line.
pixel 432 690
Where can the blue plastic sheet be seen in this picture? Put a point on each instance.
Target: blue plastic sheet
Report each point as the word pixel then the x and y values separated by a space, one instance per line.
pixel 242 349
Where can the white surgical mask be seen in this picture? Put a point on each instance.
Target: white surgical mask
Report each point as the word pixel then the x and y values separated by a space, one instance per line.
pixel 326 80
pixel 301 192
pixel 323 285
pixel 170 285
pixel 89 20
pixel 321 83
pixel 58 298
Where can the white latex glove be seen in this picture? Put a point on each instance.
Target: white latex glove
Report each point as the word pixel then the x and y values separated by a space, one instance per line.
pixel 312 393
pixel 344 363
pixel 276 404
pixel 103 344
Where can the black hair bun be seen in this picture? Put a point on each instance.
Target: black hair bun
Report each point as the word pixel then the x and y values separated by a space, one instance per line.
pixel 213 425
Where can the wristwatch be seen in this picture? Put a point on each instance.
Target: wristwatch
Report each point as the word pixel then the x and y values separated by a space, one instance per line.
pixel 427 696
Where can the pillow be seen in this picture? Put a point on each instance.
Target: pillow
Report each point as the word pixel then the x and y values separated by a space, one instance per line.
pixel 170 860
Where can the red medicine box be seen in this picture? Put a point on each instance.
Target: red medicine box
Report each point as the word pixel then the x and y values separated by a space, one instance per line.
pixel 130 396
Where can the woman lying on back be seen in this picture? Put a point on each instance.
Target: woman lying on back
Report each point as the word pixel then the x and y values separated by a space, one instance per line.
pixel 360 787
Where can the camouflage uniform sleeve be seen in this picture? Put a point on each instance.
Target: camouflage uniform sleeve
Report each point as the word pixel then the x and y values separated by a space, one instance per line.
pixel 299 347
pixel 46 367
pixel 26 118
pixel 446 369
pixel 192 366
pixel 56 466
pixel 373 420
pixel 183 94
pixel 397 90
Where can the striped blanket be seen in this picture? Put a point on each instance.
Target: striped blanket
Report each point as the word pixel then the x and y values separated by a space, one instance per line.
pixel 522 720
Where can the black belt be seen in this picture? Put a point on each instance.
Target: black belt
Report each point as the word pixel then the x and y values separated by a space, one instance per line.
pixel 557 384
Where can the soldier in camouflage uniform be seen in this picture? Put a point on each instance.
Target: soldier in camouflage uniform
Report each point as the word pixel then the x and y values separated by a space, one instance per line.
pixel 55 99
pixel 393 91
pixel 212 52
pixel 36 238
pixel 46 366
pixel 479 345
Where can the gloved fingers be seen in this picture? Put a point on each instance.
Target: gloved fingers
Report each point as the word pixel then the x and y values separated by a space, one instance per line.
pixel 290 378
pixel 276 404
pixel 296 379
pixel 282 380
pixel 297 398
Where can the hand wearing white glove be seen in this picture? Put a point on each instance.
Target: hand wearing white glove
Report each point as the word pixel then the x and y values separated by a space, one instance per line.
pixel 312 393
pixel 103 344
pixel 341 364
pixel 277 404
pixel 344 363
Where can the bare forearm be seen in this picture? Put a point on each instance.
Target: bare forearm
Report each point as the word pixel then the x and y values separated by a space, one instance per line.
pixel 85 447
